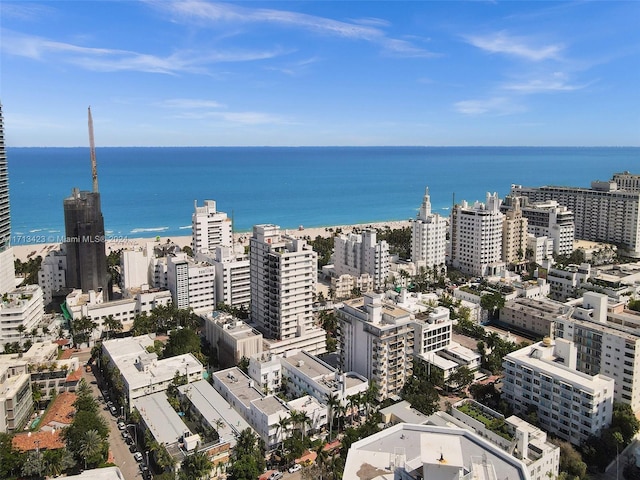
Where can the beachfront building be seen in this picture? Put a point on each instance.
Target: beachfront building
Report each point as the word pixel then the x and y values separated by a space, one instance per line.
pixel 475 237
pixel 514 235
pixel 606 342
pixel 16 402
pixel 192 284
pixel 515 436
pixel 52 276
pixel 21 308
pixel 209 229
pixel 359 253
pixel 409 451
pixel 547 219
pixel 7 266
pixel 376 341
pixel 232 338
pixel 428 236
pixel 233 277
pixel 570 404
pixel 142 373
pixel 283 281
pixel 605 212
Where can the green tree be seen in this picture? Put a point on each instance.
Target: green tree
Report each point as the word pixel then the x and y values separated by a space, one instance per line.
pixel 91 447
pixel 183 341
pixel 10 458
pixel 33 464
pixel 492 303
pixel 196 466
pixel 112 325
pixel 461 378
pixel 57 461
pixel 247 458
pixel 571 463
pixel 420 392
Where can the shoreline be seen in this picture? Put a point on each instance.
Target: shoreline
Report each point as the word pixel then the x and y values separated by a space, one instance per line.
pixel 28 251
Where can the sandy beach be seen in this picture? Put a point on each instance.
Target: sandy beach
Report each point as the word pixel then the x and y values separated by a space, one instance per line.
pixel 25 252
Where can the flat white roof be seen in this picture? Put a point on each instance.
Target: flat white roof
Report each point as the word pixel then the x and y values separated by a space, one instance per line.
pixel 213 406
pixel 165 424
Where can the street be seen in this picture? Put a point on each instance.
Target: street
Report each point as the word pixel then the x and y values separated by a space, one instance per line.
pixel 119 449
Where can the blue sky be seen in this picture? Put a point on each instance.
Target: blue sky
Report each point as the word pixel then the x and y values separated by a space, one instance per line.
pixel 193 72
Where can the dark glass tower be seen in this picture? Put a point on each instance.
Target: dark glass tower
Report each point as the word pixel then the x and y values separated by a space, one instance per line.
pixel 85 238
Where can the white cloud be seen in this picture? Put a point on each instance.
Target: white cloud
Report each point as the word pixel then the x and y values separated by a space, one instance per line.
pixel 493 106
pixel 557 82
pixel 361 29
pixel 501 42
pixel 108 60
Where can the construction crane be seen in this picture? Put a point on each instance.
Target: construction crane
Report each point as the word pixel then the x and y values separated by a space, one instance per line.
pixel 92 149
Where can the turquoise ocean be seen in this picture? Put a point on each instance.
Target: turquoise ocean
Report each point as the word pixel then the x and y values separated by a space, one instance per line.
pixel 149 191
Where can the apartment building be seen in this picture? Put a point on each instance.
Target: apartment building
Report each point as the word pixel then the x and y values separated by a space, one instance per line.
pixel 192 284
pixel 570 404
pixel 20 308
pixel 232 338
pixel 475 237
pixel 605 212
pixel 209 229
pixel 16 402
pixel 514 234
pixel 377 342
pixel 233 277
pixel 283 281
pixel 52 274
pixel 609 346
pixel 546 219
pixel 142 372
pixel 428 236
pixel 536 316
pixel 356 254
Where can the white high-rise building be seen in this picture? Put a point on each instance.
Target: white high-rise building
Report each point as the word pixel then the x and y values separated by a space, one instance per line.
pixel 377 341
pixel 428 236
pixel 546 219
pixel 356 254
pixel 209 228
pixel 52 273
pixel 475 240
pixel 283 281
pixel 192 284
pixel 233 277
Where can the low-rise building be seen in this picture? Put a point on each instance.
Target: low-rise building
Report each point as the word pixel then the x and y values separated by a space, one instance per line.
pixel 142 372
pixel 16 402
pixel 533 315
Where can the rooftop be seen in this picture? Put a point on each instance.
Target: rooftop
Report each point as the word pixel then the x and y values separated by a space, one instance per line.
pixel 165 424
pixel 44 440
pixel 60 411
pixel 437 453
pixel 212 406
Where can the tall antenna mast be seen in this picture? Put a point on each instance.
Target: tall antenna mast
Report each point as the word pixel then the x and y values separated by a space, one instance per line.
pixel 92 149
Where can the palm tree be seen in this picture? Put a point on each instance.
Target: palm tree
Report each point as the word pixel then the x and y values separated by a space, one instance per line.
pixel 90 446
pixel 332 403
pixel 112 324
pixel 283 424
pixel 196 466
pixel 57 461
pixel 21 328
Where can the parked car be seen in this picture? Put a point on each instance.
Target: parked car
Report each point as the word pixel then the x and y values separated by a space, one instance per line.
pixel 125 434
pixel 295 468
pixel 275 476
pixel 133 449
pixel 113 410
pixel 128 440
pixel 137 456
pixel 121 426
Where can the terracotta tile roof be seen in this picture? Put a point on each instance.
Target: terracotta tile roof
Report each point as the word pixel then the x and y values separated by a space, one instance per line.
pixel 63 341
pixel 75 376
pixel 26 442
pixel 61 410
pixel 66 354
